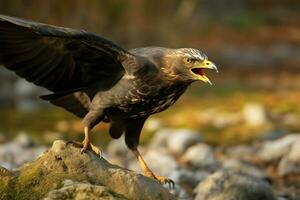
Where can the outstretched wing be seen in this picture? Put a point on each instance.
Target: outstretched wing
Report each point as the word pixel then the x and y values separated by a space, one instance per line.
pixel 59 59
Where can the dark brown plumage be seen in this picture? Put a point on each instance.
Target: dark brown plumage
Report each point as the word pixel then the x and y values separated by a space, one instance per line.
pixel 97 80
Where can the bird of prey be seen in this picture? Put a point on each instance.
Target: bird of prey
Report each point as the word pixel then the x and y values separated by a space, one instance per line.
pixel 98 80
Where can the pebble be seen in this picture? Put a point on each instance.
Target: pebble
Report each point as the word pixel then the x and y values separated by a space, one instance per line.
pixel 254 114
pixel 160 138
pixel 223 120
pixel 19 151
pixel 179 140
pixel 179 192
pixel 290 164
pixel 241 152
pixel 82 191
pixel 188 178
pixel 23 140
pixel 275 150
pixel 227 185
pixel 201 156
pixel 244 167
pixel 153 124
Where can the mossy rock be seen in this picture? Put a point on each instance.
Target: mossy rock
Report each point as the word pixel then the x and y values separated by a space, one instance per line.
pixel 89 174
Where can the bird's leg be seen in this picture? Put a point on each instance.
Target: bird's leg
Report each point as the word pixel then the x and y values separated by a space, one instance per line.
pixel 149 173
pixel 92 118
pixel 132 136
pixel 87 145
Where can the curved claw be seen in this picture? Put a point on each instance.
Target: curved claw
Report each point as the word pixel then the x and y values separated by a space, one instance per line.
pixel 161 179
pixel 96 150
pixel 82 150
pixel 86 146
pixel 171 184
pixel 164 180
pixel 93 148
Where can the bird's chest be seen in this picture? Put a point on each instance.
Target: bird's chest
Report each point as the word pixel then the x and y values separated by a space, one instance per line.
pixel 148 106
pixel 147 99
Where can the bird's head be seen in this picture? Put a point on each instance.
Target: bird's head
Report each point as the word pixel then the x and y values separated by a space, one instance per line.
pixel 188 64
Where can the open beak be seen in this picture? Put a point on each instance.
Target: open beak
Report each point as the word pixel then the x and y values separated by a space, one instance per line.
pixel 198 70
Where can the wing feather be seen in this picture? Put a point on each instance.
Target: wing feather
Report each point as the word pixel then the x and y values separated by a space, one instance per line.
pixel 57 58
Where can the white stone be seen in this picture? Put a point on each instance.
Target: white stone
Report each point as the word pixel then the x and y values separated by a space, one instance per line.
pixel 290 163
pixel 152 124
pixel 254 114
pixel 275 150
pixel 179 140
pixel 160 138
pixel 294 154
pixel 23 140
pixel 199 155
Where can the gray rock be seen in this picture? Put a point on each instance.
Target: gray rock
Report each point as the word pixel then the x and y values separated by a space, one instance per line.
pixel 244 167
pixel 180 193
pixel 290 164
pixel 242 152
pixel 28 155
pixel 23 140
pixel 179 140
pixel 201 156
pixel 118 153
pixel 226 185
pixel 3 168
pixel 275 150
pixel 45 177
pixel 160 139
pixel 82 191
pixel 175 140
pixel 272 135
pixel 188 178
pixel 19 151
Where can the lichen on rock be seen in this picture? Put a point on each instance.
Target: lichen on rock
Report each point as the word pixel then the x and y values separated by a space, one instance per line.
pixel 90 176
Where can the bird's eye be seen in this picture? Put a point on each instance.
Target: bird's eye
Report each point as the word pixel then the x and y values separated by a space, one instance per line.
pixel 187 60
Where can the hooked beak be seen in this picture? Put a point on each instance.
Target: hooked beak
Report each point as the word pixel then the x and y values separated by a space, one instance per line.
pixel 198 70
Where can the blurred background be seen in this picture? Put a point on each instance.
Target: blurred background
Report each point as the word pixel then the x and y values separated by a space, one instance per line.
pixel 255 44
pixel 248 121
